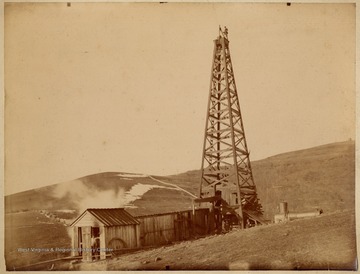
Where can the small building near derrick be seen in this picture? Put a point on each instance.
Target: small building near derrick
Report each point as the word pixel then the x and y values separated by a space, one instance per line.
pixel 100 231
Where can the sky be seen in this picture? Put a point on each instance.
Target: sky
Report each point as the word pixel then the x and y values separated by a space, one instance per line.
pixel 98 87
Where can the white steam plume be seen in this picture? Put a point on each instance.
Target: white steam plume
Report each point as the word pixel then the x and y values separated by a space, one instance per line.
pixel 88 197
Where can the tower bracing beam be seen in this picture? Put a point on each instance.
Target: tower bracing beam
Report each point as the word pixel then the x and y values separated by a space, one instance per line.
pixel 226 166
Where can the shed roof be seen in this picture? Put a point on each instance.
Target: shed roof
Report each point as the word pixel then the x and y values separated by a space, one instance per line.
pixel 110 216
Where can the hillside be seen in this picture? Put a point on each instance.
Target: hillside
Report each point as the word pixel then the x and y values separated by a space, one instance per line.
pixel 323 243
pixel 321 177
pixel 110 189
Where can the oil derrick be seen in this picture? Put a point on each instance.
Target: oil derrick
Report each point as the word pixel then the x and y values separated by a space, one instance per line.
pixel 226 171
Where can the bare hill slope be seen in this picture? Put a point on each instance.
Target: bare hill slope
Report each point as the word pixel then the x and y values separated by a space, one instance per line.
pixel 320 177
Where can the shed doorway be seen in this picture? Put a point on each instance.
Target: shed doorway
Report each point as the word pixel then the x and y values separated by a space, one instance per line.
pixel 89 243
pixel 95 243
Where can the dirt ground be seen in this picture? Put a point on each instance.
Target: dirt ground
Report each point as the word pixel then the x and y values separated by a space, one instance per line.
pixel 321 243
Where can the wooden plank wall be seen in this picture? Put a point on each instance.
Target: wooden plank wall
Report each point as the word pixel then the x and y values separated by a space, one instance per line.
pixel 177 226
pixel 157 230
pixel 125 233
pixel 201 221
pixel 86 236
pixel 102 243
pixel 74 240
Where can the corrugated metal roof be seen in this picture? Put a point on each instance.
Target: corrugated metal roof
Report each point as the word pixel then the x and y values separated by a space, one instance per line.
pixel 111 216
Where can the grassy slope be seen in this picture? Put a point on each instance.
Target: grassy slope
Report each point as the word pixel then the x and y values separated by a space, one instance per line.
pixel 326 242
pixel 32 230
pixel 320 177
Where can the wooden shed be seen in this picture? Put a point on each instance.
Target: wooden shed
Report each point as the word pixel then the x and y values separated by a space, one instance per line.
pixel 98 231
pixel 164 228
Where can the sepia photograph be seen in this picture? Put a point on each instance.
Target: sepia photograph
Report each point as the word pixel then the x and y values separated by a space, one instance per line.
pixel 179 136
